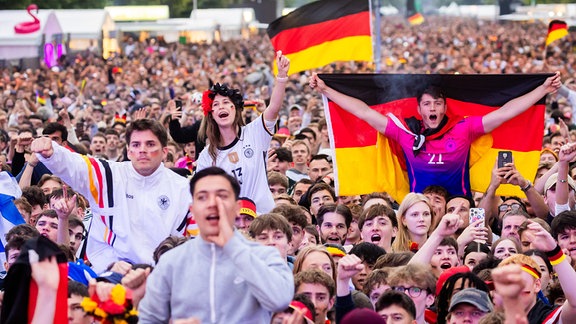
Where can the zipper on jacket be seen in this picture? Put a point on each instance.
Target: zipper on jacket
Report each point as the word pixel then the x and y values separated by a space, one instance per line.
pixel 212 283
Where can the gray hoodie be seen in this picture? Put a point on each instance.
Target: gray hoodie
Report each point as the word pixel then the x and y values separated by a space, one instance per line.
pixel 243 282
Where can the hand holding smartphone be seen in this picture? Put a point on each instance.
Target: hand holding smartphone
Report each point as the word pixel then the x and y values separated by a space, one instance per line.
pixel 504 157
pixel 477 214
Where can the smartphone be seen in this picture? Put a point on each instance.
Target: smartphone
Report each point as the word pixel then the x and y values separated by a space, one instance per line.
pixel 477 214
pixel 504 157
pixel 178 104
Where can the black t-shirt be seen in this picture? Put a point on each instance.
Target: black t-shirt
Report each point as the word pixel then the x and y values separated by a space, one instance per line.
pixel 540 312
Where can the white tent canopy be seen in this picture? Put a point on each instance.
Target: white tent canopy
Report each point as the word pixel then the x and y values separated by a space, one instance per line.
pixel 85 23
pixel 17 46
pixel 88 28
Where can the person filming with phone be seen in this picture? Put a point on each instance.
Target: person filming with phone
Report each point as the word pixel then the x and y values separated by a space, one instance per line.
pixel 505 172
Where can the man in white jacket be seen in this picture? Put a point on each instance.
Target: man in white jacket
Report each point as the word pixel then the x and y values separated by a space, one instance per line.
pixel 220 276
pixel 135 205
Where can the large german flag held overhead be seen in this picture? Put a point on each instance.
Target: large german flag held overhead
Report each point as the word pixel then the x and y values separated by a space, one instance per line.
pixel 323 32
pixel 365 161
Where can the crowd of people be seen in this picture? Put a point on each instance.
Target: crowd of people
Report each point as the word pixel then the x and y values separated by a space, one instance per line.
pixel 189 184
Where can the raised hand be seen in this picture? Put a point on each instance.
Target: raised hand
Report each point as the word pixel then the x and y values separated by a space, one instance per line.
pixel 567 152
pixel 449 224
pixel 508 280
pixel 226 227
pixel 65 205
pixel 553 83
pixel 349 266
pixel 174 112
pixel 44 272
pixel 42 146
pixel 540 238
pixel 283 64
pixel 140 113
pixel 474 232
pixel 316 83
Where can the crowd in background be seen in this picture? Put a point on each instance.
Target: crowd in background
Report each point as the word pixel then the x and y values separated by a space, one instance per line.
pixel 425 246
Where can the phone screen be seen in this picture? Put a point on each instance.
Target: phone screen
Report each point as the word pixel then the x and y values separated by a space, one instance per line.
pixel 178 104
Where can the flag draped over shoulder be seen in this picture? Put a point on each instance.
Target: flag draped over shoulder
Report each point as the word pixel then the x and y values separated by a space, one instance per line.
pixel 557 29
pixel 323 32
pixel 366 161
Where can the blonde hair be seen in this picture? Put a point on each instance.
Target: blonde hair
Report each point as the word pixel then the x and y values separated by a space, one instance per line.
pixel 521 260
pixel 402 241
pixel 303 254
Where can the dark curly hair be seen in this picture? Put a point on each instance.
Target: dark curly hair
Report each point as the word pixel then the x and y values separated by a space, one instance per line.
pixel 226 91
pixel 209 129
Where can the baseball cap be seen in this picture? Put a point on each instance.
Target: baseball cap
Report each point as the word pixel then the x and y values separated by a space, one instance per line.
pixel 296 305
pixel 296 106
pixel 447 274
pixel 474 297
pixel 283 132
pixel 247 207
pixel 111 277
pixel 554 178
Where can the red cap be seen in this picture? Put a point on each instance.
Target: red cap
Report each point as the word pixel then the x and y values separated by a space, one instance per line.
pixel 302 308
pixel 283 132
pixel 447 274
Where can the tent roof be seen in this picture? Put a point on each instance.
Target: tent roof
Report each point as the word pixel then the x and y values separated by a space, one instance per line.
pixel 49 25
pixel 82 21
pixel 225 17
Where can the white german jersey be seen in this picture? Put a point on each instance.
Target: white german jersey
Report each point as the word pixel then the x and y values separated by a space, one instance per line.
pixel 132 213
pixel 245 159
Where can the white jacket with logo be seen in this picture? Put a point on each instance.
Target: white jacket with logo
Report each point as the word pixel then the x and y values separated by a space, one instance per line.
pixel 132 213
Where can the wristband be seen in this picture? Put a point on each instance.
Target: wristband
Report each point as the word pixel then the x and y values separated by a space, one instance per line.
pixel 282 79
pixel 555 256
pixel 527 187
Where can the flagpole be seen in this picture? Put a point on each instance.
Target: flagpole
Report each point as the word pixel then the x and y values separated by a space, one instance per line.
pixel 376 48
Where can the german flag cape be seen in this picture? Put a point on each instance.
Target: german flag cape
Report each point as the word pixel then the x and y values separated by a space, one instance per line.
pixel 365 161
pixel 21 290
pixel 323 32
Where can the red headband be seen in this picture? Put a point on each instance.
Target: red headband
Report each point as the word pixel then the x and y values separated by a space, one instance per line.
pixel 207 102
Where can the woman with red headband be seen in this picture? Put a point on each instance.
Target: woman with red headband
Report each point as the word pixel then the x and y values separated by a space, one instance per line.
pixel 241 149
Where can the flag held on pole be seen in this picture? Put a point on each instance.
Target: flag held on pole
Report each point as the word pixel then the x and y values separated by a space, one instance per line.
pixel 323 32
pixel 557 29
pixel 416 19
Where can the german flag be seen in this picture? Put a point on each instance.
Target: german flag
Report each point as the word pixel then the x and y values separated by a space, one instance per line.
pixel 557 29
pixel 323 32
pixel 365 161
pixel 416 19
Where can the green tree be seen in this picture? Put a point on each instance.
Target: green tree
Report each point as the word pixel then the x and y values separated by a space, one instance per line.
pixel 54 4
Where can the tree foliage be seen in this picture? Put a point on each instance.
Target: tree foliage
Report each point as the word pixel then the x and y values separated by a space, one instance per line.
pixel 53 4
